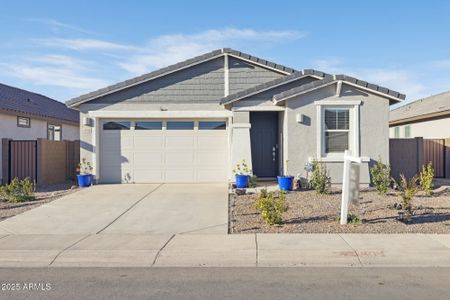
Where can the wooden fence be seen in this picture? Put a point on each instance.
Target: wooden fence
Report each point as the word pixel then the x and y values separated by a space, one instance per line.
pixel 44 161
pixel 407 156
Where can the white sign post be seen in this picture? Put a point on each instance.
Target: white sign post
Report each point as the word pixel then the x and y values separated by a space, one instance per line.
pixel 350 183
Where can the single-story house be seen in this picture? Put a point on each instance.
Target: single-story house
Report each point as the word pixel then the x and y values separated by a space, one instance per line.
pixel 428 118
pixel 195 120
pixel 26 115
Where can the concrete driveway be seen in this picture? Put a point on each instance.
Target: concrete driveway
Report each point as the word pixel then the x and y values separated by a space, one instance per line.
pixel 131 209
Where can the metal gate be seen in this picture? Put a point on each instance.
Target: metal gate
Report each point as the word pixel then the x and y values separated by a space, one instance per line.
pixel 434 151
pixel 23 159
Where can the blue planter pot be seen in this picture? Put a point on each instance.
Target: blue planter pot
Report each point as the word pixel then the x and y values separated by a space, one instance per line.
pixel 242 181
pixel 285 183
pixel 84 180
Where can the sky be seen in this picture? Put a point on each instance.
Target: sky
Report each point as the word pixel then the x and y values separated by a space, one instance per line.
pixel 63 49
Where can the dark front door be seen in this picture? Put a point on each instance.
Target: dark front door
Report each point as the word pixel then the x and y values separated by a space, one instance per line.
pixel 264 143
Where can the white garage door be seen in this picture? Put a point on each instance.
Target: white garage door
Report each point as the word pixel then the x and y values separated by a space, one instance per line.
pixel 163 151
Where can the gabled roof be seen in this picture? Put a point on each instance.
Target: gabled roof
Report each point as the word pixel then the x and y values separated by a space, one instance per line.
pixel 385 92
pixel 173 68
pixel 274 83
pixel 433 106
pixel 21 101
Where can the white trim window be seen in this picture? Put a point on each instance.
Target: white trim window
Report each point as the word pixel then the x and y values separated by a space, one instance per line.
pixel 338 129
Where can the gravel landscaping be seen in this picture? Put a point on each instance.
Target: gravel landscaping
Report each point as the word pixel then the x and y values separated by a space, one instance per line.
pixel 309 212
pixel 42 195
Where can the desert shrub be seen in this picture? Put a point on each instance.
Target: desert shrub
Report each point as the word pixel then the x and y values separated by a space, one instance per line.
pixel 253 182
pixel 320 181
pixel 408 189
pixel 353 219
pixel 18 190
pixel 426 178
pixel 381 177
pixel 271 206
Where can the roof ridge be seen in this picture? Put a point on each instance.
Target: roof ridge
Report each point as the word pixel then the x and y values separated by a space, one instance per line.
pixel 420 100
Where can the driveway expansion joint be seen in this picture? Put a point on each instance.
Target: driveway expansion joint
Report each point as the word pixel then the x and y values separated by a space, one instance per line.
pixel 256 248
pixel 67 248
pixel 129 208
pixel 162 248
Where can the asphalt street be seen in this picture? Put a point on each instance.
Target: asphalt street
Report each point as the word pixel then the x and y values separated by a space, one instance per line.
pixel 225 283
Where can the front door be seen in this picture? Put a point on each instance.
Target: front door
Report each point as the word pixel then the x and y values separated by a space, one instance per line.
pixel 264 143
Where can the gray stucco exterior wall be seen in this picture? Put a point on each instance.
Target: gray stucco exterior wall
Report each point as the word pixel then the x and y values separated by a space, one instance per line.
pixel 302 139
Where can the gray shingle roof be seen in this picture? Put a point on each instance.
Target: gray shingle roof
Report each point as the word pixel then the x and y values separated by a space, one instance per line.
pixel 172 68
pixel 435 104
pixel 268 85
pixel 22 101
pixel 329 79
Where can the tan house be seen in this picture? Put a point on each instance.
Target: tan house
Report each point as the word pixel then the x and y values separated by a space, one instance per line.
pixel 26 115
pixel 428 118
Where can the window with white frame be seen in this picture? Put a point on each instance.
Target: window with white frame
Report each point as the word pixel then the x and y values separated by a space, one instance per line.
pixel 336 130
pixel 54 132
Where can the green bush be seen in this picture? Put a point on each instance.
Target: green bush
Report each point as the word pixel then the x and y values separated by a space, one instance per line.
pixel 353 219
pixel 18 190
pixel 320 181
pixel 271 206
pixel 426 178
pixel 408 189
pixel 381 177
pixel 253 182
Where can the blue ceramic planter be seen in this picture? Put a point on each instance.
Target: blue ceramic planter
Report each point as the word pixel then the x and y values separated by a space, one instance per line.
pixel 242 181
pixel 84 180
pixel 285 183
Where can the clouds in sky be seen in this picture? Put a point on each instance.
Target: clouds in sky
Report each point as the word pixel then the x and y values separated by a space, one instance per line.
pixel 75 60
pixel 78 63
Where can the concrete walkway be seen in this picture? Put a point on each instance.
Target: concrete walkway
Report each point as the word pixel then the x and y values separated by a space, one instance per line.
pixel 254 250
pixel 129 208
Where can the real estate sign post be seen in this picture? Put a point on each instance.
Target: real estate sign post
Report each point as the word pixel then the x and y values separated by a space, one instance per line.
pixel 350 183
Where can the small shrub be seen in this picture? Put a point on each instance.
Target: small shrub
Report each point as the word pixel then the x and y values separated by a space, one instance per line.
pixel 271 206
pixel 353 219
pixel 320 181
pixel 84 167
pixel 18 190
pixel 253 182
pixel 426 178
pixel 242 169
pixel 408 189
pixel 381 177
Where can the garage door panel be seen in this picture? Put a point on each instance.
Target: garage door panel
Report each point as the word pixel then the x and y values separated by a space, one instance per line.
pixel 210 141
pixel 179 157
pixel 149 142
pixel 148 159
pixel 209 158
pixel 180 141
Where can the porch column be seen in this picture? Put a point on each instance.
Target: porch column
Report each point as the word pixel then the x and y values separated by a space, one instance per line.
pixel 240 145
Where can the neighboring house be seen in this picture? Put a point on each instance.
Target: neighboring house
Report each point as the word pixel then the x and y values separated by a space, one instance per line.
pixel 428 118
pixel 195 120
pixel 28 116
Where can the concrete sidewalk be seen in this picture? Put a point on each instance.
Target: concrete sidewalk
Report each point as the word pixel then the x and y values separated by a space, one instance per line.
pixel 194 250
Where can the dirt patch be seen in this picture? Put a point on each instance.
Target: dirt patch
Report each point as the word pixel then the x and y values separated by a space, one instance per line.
pixel 309 212
pixel 43 195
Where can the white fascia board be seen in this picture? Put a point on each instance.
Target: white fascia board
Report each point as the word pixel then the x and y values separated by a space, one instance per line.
pixel 259 108
pixel 338 101
pixel 133 114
